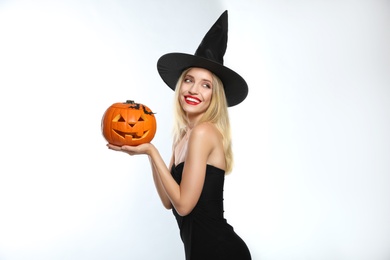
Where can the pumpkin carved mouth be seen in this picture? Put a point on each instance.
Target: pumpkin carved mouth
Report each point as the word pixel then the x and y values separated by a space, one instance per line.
pixel 135 135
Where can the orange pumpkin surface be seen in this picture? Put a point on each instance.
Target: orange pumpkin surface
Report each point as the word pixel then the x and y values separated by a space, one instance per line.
pixel 128 123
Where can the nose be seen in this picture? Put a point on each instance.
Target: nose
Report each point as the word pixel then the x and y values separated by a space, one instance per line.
pixel 193 89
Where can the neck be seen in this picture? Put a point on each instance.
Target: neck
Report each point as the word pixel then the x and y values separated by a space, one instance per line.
pixel 192 121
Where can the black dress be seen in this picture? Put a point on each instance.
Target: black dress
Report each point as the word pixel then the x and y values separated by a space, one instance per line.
pixel 205 232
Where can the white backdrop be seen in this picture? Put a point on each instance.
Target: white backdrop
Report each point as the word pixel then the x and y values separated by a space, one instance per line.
pixel 312 173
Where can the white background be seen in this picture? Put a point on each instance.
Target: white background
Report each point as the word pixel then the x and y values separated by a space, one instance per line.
pixel 312 173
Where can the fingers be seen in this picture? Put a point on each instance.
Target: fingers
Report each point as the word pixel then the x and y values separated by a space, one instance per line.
pixel 114 147
pixel 132 150
pixel 123 149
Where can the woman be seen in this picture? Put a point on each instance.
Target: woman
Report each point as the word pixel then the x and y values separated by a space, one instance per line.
pixel 192 185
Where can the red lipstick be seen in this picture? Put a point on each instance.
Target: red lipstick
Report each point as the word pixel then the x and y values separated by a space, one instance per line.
pixel 192 100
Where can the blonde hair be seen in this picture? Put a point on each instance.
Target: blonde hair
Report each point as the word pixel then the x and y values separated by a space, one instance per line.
pixel 216 113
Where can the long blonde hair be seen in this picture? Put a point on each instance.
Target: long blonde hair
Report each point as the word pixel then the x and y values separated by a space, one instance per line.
pixel 216 113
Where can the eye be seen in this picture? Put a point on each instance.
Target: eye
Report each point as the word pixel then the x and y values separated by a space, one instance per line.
pixel 187 80
pixel 207 85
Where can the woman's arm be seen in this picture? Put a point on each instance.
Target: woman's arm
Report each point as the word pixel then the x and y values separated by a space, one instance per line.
pixel 183 197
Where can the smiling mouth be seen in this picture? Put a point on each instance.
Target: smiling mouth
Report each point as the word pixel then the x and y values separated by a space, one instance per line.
pixel 192 100
pixel 135 135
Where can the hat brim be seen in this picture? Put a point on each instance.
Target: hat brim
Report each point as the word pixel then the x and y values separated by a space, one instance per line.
pixel 171 65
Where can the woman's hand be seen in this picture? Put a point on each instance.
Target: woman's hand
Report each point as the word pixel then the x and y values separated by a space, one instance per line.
pixel 133 150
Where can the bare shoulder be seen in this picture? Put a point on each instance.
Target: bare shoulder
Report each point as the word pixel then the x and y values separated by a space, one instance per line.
pixel 207 131
pixel 206 135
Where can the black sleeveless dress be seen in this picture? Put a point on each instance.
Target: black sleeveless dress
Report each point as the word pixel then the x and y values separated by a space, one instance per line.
pixel 205 232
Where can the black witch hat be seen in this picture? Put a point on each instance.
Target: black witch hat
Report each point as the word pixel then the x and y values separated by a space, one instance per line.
pixel 209 55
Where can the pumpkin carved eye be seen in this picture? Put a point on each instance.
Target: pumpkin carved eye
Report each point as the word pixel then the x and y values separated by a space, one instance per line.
pixel 128 123
pixel 118 118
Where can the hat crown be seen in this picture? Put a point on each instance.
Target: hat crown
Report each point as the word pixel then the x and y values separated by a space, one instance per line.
pixel 214 43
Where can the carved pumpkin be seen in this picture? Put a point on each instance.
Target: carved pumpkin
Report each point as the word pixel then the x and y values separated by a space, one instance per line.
pixel 128 123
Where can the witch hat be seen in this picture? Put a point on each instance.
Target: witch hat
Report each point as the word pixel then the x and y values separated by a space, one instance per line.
pixel 209 55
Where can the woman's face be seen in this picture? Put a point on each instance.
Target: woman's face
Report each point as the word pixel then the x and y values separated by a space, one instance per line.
pixel 196 91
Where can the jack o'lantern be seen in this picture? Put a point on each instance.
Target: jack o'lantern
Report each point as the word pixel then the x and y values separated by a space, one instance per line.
pixel 128 123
